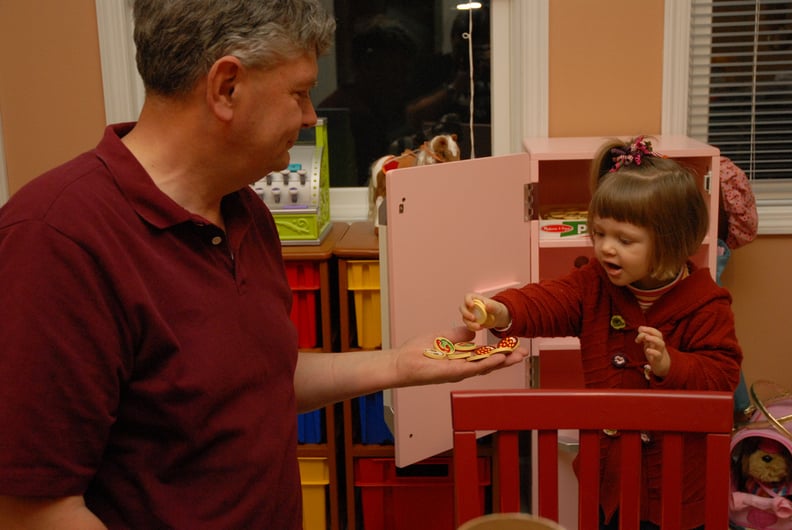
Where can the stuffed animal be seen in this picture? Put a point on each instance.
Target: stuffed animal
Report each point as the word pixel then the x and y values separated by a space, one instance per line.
pixel 441 148
pixel 767 470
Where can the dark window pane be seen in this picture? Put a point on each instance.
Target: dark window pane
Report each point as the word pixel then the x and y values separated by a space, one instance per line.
pixel 403 76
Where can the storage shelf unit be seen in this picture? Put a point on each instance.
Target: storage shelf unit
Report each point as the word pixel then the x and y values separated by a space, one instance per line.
pixel 357 255
pixel 306 259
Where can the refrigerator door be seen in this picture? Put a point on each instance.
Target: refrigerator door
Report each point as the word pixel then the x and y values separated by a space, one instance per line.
pixel 452 228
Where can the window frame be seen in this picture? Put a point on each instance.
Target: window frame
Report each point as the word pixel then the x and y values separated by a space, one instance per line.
pixel 773 197
pixel 520 35
pixel 519 40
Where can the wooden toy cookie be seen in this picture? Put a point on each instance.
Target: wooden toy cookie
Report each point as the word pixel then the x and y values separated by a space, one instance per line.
pixel 482 352
pixel 465 346
pixel 480 311
pixel 434 354
pixel 508 342
pixel 444 345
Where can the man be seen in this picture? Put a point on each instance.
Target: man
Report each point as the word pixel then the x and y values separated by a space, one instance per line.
pixel 150 369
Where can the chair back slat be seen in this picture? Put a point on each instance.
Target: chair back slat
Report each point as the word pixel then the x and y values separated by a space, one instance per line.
pixel 671 477
pixel 465 466
pixel 718 475
pixel 671 414
pixel 629 479
pixel 588 480
pixel 547 462
pixel 508 469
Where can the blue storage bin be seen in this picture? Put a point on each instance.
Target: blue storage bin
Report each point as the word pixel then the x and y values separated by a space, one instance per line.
pixel 309 427
pixel 373 429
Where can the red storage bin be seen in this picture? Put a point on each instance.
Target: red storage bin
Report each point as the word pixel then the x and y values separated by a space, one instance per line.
pixel 303 275
pixel 416 497
pixel 304 281
pixel 303 314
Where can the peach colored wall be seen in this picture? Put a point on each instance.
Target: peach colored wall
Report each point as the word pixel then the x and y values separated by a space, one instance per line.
pixel 605 79
pixel 758 277
pixel 606 67
pixel 51 95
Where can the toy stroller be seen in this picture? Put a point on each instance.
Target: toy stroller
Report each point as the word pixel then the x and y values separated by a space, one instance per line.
pixel 761 462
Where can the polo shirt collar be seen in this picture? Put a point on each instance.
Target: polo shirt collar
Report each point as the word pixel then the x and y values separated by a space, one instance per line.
pixel 148 201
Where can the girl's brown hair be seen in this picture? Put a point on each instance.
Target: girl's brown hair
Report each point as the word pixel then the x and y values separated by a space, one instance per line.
pixel 657 194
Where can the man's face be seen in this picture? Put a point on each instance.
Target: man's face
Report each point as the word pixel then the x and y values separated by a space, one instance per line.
pixel 273 110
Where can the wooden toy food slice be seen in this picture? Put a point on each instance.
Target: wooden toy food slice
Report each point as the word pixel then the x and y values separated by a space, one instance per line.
pixel 508 342
pixel 482 352
pixel 434 354
pixel 480 312
pixel 444 345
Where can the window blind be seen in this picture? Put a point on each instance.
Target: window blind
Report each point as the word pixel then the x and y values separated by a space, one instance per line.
pixel 740 83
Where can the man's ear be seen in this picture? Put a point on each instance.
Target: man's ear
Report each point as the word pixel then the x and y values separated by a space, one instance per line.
pixel 221 85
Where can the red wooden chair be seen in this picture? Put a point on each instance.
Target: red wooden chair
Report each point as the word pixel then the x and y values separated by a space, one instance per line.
pixel 546 411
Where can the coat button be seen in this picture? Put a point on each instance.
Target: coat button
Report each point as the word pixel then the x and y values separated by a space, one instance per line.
pixel 618 361
pixel 618 322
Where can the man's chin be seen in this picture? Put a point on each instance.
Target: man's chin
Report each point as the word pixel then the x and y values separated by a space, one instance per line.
pixel 277 165
pixel 284 161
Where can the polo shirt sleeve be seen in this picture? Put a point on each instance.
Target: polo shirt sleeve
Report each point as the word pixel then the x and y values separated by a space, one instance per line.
pixel 61 362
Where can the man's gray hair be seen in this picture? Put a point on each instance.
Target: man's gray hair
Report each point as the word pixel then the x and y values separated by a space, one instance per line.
pixel 179 40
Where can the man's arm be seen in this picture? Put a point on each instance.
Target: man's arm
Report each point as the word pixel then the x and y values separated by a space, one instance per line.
pixel 34 513
pixel 324 378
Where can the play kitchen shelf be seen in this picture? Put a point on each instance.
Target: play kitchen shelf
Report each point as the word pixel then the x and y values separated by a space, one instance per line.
pixel 476 226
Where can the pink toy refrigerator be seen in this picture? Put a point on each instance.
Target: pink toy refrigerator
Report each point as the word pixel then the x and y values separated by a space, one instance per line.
pixel 485 225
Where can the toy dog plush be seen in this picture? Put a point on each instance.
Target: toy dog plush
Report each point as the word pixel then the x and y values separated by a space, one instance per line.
pixel 768 469
pixel 441 148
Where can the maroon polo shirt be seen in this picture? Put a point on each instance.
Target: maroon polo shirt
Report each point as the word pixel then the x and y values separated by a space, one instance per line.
pixel 146 356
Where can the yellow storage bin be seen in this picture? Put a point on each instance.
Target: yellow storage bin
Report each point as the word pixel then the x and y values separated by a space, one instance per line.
pixel 314 477
pixel 363 278
pixel 363 274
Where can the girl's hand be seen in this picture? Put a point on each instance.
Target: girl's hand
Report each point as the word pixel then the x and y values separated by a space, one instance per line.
pixel 479 312
pixel 654 350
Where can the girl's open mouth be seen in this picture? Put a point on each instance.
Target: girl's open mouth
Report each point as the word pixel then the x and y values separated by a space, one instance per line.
pixel 612 269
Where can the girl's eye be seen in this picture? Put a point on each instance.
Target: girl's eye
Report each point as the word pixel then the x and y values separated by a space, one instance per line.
pixel 625 241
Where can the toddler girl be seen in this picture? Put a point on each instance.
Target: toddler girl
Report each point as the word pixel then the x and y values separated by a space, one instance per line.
pixel 646 316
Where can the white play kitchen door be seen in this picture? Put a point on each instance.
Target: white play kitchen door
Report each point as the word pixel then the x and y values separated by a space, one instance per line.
pixel 474 226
